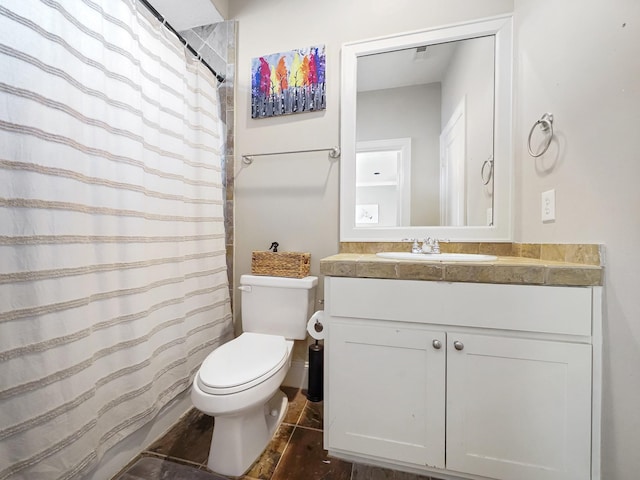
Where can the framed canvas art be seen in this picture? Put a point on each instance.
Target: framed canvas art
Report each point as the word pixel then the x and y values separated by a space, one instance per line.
pixel 289 82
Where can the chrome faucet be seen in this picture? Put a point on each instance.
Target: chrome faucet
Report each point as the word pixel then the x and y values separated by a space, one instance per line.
pixel 430 245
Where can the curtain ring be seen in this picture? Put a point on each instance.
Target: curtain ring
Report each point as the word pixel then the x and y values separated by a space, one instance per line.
pixel 488 161
pixel 546 125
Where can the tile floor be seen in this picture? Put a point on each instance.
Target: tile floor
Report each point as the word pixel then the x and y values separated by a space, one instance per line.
pixel 295 453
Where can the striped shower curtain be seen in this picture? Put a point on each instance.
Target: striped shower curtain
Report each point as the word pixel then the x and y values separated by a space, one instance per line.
pixel 113 284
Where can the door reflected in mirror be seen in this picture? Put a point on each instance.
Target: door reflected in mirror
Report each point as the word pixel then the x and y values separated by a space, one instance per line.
pixel 442 97
pixel 383 173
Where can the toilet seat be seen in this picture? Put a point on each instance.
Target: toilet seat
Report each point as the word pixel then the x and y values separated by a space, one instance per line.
pixel 242 363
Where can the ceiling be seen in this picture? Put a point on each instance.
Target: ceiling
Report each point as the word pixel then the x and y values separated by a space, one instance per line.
pixel 405 67
pixel 186 14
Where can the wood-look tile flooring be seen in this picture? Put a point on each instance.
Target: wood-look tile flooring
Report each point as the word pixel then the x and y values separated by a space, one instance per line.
pixel 295 453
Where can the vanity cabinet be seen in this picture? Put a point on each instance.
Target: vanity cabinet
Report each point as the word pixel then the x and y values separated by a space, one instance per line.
pixel 466 380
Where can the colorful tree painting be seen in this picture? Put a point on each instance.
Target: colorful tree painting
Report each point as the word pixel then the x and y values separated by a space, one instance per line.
pixel 291 82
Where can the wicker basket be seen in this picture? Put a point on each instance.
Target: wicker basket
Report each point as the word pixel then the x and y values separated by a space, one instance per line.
pixel 281 264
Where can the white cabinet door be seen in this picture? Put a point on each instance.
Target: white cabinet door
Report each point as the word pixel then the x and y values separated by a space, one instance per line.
pixel 386 392
pixel 518 408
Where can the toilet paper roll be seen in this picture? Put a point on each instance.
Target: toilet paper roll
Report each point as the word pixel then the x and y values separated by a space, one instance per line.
pixel 315 327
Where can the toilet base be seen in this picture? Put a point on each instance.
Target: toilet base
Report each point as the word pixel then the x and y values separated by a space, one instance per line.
pixel 238 440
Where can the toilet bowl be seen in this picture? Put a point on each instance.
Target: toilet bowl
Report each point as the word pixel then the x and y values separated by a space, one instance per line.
pixel 238 383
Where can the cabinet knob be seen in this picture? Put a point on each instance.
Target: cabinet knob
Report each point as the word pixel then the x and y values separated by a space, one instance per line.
pixel 436 344
pixel 458 345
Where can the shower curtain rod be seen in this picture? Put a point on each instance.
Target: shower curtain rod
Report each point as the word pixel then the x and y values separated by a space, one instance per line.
pixel 182 40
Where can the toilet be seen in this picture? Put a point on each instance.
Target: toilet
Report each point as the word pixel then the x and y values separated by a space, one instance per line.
pixel 239 382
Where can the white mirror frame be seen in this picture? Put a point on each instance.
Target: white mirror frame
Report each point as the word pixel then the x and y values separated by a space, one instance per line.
pixel 501 230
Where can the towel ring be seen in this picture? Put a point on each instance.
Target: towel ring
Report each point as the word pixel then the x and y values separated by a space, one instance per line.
pixel 546 125
pixel 488 161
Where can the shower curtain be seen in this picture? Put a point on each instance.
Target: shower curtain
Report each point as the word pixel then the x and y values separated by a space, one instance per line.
pixel 113 284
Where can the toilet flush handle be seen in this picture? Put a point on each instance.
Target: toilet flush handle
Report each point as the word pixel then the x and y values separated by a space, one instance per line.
pixel 245 288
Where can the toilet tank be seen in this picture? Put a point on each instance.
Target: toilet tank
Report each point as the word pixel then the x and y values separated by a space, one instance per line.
pixel 277 305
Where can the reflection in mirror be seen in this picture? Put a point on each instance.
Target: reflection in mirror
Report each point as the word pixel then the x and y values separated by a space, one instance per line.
pixel 446 95
pixel 383 181
pixel 442 96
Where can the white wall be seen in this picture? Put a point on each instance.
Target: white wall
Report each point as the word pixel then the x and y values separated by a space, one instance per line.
pixel 580 60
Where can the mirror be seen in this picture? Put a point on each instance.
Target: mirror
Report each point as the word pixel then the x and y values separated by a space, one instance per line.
pixel 426 135
pixel 441 97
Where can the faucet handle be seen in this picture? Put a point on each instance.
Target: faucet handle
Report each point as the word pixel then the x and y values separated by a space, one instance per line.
pixel 415 248
pixel 436 244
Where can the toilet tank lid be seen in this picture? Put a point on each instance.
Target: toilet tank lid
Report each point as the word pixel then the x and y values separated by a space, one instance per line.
pixel 282 282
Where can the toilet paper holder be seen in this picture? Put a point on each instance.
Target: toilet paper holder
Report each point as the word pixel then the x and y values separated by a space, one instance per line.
pixel 315 328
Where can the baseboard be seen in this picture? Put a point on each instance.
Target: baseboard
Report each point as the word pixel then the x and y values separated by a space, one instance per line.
pixel 297 376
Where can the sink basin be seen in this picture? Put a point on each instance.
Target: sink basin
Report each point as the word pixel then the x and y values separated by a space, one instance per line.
pixel 437 257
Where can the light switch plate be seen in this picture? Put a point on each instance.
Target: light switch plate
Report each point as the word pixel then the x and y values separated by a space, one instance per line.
pixel 548 206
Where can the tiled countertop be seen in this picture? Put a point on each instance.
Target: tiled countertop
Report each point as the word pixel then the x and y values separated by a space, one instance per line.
pixel 506 269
